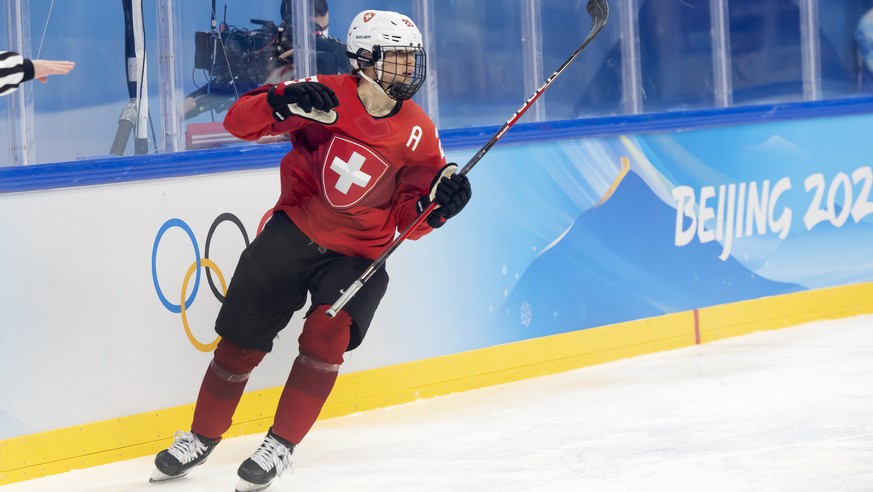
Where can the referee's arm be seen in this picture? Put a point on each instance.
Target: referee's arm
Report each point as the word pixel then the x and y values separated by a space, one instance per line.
pixel 14 69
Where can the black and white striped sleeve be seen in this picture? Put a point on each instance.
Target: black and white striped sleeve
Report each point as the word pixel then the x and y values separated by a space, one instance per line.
pixel 14 69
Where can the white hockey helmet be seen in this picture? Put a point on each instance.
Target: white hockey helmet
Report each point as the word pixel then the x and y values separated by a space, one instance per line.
pixel 375 32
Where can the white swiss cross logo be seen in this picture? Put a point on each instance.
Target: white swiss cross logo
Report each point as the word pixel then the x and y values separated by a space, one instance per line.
pixel 350 171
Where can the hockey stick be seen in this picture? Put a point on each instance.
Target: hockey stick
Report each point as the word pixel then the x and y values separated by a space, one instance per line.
pixel 599 12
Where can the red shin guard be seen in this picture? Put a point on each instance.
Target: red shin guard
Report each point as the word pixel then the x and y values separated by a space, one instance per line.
pixel 322 344
pixel 222 388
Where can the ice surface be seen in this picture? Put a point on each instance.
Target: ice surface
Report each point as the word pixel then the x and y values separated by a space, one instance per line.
pixel 787 410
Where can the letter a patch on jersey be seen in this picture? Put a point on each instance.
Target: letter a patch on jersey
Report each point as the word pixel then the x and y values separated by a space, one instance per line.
pixel 349 172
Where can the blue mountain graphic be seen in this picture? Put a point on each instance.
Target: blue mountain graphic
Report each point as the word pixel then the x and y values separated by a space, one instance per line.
pixel 617 263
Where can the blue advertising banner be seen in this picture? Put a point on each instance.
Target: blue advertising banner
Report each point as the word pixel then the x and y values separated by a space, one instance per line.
pixel 578 234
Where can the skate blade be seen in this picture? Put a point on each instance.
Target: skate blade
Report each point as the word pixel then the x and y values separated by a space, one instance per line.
pixel 158 476
pixel 246 486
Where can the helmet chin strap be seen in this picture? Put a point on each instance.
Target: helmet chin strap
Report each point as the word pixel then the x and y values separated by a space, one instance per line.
pixel 377 84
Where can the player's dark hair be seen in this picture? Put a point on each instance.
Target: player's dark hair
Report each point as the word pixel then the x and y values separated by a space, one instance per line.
pixel 319 8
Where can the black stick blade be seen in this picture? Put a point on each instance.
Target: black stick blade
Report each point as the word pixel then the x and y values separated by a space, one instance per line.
pixel 599 12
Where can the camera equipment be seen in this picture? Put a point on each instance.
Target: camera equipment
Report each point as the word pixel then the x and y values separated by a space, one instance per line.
pixel 235 60
pixel 238 57
pixel 239 60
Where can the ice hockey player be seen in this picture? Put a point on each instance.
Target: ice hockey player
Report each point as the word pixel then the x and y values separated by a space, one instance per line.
pixel 365 161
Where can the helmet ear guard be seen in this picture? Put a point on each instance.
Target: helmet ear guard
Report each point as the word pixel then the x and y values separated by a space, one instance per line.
pixel 366 58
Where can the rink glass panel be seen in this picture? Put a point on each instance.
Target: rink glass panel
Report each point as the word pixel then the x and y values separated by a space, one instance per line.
pixel 841 72
pixel 591 86
pixel 766 58
pixel 653 56
pixel 675 40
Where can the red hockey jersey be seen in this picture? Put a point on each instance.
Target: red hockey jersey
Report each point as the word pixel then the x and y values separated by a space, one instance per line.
pixel 350 185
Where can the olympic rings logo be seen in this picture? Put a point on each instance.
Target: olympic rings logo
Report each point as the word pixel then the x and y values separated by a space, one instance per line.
pixel 194 270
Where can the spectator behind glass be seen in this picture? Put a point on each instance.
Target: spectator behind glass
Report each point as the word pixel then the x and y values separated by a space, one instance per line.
pixel 330 53
pixel 277 60
pixel 864 39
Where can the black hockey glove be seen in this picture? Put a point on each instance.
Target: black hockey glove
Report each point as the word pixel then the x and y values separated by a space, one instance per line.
pixel 300 98
pixel 450 191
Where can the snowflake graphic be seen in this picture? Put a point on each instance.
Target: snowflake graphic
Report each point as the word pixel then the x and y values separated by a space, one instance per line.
pixel 526 315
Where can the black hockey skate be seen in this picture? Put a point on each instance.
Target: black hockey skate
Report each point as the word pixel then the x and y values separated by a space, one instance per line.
pixel 267 463
pixel 188 451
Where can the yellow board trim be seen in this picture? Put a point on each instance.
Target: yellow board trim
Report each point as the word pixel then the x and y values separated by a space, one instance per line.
pixel 56 451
